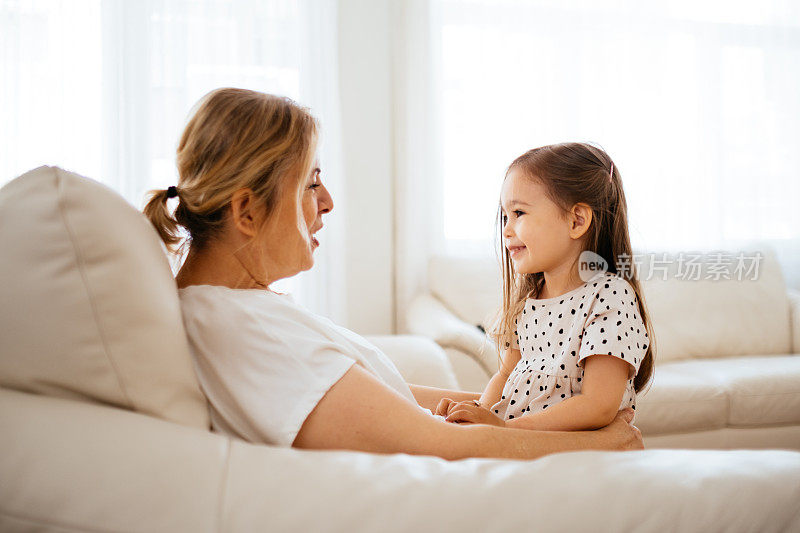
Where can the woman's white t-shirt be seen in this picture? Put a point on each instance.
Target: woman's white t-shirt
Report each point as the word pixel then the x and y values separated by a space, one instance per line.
pixel 264 362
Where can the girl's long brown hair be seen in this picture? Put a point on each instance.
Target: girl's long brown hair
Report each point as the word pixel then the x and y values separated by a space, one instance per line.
pixel 574 173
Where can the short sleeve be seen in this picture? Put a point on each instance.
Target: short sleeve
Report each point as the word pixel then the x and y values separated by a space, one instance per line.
pixel 515 336
pixel 262 372
pixel 614 325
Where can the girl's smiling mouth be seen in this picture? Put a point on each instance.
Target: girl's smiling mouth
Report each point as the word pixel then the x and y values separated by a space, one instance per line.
pixel 514 250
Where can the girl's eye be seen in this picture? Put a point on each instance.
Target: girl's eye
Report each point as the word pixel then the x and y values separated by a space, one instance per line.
pixel 314 185
pixel 519 213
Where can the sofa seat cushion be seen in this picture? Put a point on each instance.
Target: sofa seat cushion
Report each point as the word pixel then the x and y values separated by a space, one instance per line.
pixel 747 391
pixel 72 466
pixel 679 400
pixel 761 390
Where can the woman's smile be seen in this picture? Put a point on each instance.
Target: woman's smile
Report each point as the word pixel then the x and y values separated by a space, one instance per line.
pixel 312 234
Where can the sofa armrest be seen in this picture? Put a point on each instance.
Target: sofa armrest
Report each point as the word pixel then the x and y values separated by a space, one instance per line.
pixel 419 360
pixel 794 313
pixel 427 316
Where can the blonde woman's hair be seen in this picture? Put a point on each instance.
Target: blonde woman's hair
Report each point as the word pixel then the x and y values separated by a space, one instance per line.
pixel 236 138
pixel 574 173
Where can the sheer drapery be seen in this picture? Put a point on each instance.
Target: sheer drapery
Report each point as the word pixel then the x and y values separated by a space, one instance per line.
pixel 697 102
pixel 104 88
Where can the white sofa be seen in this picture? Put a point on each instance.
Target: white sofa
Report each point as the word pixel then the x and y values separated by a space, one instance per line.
pixel 104 427
pixel 727 371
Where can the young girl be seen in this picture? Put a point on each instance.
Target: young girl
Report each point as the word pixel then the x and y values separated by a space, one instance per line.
pixel 577 346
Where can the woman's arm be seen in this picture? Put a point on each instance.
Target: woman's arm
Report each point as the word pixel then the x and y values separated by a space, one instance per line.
pixel 604 380
pixel 361 413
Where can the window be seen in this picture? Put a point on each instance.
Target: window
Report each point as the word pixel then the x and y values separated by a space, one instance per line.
pixel 695 101
pixel 104 88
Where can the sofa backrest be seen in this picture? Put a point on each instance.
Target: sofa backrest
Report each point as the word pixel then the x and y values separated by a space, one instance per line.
pixel 718 318
pixel 692 318
pixel 88 306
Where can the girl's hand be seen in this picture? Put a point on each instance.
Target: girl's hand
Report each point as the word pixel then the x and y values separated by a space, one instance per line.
pixel 470 412
pixel 446 406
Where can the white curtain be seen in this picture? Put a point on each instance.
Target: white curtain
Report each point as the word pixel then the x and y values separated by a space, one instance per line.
pixel 104 88
pixel 697 102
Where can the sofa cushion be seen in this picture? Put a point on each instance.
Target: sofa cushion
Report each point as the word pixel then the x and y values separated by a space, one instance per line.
pixel 72 466
pixel 469 287
pixel 692 318
pixel 418 359
pixel 88 305
pixel 753 391
pixel 701 318
pixel 680 399
pixel 760 390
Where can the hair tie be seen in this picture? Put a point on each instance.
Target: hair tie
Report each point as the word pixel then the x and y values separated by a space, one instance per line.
pixel 172 191
pixel 611 173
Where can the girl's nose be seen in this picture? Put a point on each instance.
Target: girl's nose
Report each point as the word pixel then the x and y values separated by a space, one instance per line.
pixel 507 231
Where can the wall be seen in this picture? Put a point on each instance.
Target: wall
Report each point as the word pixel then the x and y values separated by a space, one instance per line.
pixel 365 86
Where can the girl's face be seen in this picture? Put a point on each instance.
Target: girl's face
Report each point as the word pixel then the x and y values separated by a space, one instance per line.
pixel 535 229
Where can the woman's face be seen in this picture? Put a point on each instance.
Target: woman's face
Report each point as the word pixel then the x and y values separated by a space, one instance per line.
pixel 289 240
pixel 314 202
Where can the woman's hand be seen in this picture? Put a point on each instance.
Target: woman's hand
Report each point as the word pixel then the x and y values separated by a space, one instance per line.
pixel 471 412
pixel 444 406
pixel 622 434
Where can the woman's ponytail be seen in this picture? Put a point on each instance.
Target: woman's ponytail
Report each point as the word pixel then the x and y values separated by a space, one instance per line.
pixel 158 214
pixel 235 139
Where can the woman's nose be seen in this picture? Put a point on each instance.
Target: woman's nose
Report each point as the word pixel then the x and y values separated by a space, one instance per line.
pixel 325 201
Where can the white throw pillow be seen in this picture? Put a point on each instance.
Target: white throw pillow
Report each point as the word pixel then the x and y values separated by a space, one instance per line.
pixel 88 306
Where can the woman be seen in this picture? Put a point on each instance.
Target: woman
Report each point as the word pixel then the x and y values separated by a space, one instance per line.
pixel 250 198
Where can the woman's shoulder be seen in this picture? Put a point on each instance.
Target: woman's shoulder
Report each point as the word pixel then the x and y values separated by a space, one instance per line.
pixel 219 295
pixel 216 307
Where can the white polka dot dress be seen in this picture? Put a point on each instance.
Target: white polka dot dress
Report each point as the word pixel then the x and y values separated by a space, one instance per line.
pixel 555 335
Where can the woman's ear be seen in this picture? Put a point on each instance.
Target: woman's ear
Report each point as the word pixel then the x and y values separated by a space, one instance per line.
pixel 579 218
pixel 243 205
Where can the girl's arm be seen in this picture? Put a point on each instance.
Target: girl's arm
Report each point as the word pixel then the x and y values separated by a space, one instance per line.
pixel 604 381
pixel 429 397
pixel 361 413
pixel 494 389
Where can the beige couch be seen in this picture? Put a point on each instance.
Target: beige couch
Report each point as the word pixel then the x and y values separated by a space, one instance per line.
pixel 103 426
pixel 728 350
